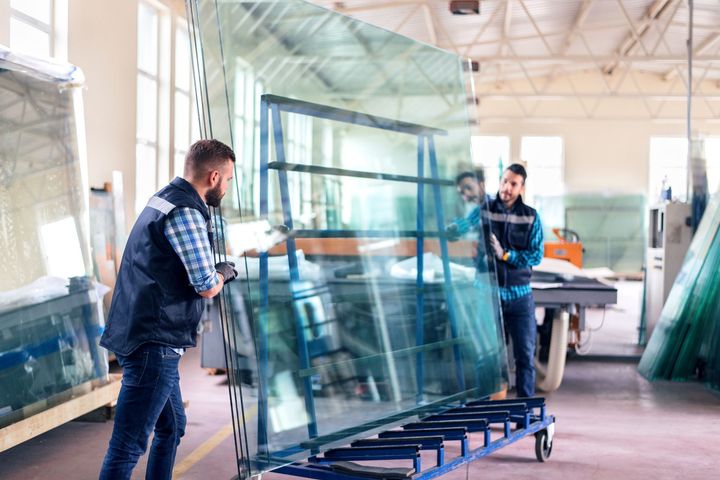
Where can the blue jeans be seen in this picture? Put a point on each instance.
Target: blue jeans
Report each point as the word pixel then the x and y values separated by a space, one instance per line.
pixel 519 317
pixel 149 400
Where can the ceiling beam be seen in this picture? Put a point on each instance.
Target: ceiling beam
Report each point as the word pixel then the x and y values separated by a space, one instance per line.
pixel 507 22
pixel 429 24
pixel 340 6
pixel 567 42
pixel 577 25
pixel 634 37
pixel 480 32
pixel 535 26
pixel 569 59
pixel 704 46
pixel 563 32
pixel 657 97
pixel 515 119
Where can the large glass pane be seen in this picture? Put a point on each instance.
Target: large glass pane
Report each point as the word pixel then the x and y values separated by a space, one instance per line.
pixel 611 226
pixel 27 39
pixel 50 312
pixel 685 341
pixel 368 315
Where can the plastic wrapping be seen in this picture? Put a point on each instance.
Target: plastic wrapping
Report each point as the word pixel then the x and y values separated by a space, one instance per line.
pixel 50 315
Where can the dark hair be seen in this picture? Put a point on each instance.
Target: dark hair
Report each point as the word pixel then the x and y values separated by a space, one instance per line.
pixel 518 169
pixel 206 156
pixel 478 174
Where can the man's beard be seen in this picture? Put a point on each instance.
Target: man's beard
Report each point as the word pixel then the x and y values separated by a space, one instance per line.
pixel 213 196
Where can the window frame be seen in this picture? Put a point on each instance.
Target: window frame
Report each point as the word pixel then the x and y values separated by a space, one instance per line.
pixel 56 29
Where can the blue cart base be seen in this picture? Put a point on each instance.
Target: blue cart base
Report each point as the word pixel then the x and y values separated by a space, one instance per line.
pixel 431 433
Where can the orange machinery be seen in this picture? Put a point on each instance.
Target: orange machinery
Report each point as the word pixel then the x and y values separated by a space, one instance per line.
pixel 568 247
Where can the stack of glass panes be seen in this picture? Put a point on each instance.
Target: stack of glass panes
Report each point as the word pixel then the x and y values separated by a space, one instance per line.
pixel 359 335
pixel 50 316
pixel 686 341
pixel 611 226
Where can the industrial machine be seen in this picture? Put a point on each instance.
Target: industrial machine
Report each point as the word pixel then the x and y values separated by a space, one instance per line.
pixel 565 298
pixel 567 247
pixel 669 238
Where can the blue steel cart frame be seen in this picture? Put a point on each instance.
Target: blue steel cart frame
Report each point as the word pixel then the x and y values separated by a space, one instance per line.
pixel 528 414
pixel 271 108
pixel 432 431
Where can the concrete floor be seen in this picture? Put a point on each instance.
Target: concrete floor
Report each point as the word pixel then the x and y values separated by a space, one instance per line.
pixel 611 424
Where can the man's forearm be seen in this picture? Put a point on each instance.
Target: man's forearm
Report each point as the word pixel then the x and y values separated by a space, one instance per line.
pixel 214 290
pixel 524 258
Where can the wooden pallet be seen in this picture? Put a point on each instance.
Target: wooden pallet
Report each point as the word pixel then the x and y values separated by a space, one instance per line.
pixel 85 399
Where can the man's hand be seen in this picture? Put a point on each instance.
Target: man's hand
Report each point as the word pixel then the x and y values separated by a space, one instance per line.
pixel 227 270
pixel 496 247
pixel 452 232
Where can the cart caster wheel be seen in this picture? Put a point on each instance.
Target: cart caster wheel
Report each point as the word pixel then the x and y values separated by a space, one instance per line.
pixel 543 446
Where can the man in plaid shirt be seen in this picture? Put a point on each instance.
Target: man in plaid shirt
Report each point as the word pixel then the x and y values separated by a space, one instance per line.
pixel 514 237
pixel 166 271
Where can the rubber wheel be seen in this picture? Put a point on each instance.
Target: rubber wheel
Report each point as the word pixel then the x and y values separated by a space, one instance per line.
pixel 543 447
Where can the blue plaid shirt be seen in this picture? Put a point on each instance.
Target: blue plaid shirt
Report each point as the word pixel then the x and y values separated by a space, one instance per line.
pixel 518 258
pixel 525 258
pixel 186 230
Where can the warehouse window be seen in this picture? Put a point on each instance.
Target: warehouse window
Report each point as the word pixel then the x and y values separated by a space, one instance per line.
pixel 167 119
pixel 148 93
pixel 492 154
pixel 543 158
pixel 186 126
pixel 299 150
pixel 39 27
pixel 246 133
pixel 668 163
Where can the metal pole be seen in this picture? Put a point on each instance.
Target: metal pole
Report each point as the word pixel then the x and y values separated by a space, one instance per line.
pixel 420 300
pixel 689 44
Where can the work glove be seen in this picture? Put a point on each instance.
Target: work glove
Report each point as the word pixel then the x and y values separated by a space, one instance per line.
pixel 227 270
pixel 497 249
pixel 452 232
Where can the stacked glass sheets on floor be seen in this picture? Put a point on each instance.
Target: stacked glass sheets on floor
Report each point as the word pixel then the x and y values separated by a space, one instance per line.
pixel 686 341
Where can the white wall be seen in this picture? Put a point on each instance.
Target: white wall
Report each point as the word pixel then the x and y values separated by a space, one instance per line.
pixel 103 43
pixel 610 153
pixel 599 155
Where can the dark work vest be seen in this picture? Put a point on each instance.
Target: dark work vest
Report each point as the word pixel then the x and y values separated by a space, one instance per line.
pixel 512 228
pixel 153 300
